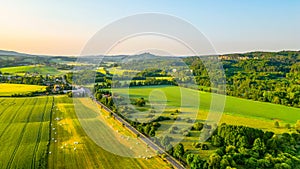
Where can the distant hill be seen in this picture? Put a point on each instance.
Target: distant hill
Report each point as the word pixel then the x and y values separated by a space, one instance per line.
pixel 148 55
pixel 13 53
pixel 12 58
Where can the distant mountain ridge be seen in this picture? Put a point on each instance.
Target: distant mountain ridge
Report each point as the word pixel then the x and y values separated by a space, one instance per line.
pixel 13 53
pixel 146 55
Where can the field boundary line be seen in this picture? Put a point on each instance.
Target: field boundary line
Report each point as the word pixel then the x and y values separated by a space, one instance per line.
pixel 49 141
pixel 6 108
pixel 39 136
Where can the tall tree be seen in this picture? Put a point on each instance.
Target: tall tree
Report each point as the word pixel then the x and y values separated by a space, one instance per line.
pixel 179 151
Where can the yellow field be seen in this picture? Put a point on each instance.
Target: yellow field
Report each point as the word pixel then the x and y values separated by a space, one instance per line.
pixel 10 89
pixel 101 70
pixel 118 71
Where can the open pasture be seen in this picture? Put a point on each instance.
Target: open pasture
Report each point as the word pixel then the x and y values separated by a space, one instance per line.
pixel 237 111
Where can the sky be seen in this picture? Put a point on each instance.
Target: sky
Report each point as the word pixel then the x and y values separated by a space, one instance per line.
pixel 63 27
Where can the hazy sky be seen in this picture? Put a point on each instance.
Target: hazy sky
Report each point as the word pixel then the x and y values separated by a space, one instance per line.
pixel 62 27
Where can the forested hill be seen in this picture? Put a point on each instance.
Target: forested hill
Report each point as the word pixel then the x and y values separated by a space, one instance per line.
pixel 263 76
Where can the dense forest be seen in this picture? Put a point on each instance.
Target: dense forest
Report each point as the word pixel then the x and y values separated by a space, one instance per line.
pixel 244 147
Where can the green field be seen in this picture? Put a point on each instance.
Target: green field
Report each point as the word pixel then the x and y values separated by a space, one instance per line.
pixel 237 111
pixel 7 89
pixel 32 137
pixel 24 132
pixel 27 128
pixel 245 112
pixel 21 70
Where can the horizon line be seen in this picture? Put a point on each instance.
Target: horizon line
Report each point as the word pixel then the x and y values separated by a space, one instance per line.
pixel 120 54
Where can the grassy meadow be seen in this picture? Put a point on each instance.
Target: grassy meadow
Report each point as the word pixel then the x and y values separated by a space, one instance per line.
pixel 237 111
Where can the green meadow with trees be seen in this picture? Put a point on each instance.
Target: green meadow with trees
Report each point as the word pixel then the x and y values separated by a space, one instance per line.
pixel 259 127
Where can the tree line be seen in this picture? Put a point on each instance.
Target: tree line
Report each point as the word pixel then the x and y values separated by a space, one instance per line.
pixel 262 76
pixel 244 147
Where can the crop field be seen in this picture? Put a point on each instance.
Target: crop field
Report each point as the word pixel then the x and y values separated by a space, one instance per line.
pixel 71 147
pixel 119 71
pixel 50 132
pixel 24 132
pixel 101 70
pixel 7 89
pixel 32 137
pixel 20 70
pixel 164 78
pixel 237 111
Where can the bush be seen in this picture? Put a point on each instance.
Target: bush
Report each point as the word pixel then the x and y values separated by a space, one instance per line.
pixel 140 102
pixel 198 126
pixel 176 111
pixel 196 145
pixel 276 124
pixel 204 147
pixel 161 118
pixel 70 94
